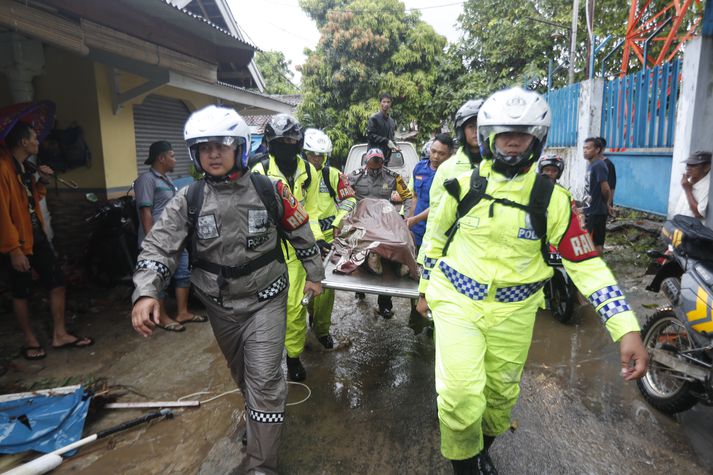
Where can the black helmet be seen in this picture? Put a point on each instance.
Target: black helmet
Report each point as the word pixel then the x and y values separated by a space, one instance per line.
pixel 551 160
pixel 283 126
pixel 466 112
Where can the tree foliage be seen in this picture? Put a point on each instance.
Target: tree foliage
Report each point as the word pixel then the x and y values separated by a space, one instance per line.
pixel 275 70
pixel 509 42
pixel 369 46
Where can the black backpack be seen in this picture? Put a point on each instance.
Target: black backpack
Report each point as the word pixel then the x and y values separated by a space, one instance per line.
pixel 327 183
pixel 196 193
pixel 537 207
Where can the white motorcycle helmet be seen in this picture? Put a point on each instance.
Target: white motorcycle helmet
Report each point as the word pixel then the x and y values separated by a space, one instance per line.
pixel 221 125
pixel 513 110
pixel 317 142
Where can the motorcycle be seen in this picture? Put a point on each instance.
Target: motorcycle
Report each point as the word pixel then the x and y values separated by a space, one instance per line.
pixel 112 250
pixel 679 338
pixel 560 291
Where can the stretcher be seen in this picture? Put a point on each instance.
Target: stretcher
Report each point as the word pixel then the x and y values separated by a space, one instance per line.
pixel 364 281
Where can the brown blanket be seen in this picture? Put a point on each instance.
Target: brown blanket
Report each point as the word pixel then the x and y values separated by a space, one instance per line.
pixel 374 226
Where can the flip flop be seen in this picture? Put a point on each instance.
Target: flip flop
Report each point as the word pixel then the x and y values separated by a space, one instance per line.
pixel 194 319
pixel 172 327
pixel 25 351
pixel 76 343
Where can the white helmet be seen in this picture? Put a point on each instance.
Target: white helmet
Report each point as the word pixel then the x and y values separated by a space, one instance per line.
pixel 317 142
pixel 221 125
pixel 513 110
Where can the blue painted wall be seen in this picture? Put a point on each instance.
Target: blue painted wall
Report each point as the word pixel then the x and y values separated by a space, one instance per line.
pixel 642 180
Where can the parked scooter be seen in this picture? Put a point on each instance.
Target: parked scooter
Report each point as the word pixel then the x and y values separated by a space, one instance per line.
pixel 560 291
pixel 679 338
pixel 112 250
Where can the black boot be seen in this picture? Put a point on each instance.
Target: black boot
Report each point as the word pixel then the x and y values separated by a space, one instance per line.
pixel 295 370
pixel 327 341
pixel 466 467
pixel 485 464
pixel 487 442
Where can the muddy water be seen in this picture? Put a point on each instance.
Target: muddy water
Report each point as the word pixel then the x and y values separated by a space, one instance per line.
pixel 373 406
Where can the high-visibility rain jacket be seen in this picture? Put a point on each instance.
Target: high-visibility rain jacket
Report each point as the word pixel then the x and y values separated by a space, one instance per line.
pixel 332 210
pixel 495 255
pixel 308 196
pixel 451 168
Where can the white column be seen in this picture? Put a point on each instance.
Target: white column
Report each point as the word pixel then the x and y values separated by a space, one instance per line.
pixel 591 96
pixel 694 115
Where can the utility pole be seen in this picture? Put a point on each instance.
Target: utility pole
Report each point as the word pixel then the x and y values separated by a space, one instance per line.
pixel 573 39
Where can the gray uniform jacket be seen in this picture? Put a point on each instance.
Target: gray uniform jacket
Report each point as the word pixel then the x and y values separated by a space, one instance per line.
pixel 379 184
pixel 232 229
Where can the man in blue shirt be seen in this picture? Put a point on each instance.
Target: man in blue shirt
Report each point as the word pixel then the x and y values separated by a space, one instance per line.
pixel 597 193
pixel 153 190
pixel 440 151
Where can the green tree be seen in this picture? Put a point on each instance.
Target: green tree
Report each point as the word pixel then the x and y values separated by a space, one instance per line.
pixel 508 42
pixel 275 70
pixel 369 46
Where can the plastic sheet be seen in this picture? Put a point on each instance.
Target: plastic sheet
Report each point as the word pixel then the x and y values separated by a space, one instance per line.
pixel 42 420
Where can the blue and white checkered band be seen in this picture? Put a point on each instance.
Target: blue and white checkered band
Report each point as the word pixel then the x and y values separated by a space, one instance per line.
pixel 426 274
pixel 155 266
pixel 303 254
pixel 273 289
pixel 346 205
pixel 517 293
pixel 429 262
pixel 267 417
pixel 464 284
pixel 326 223
pixel 607 293
pixel 612 308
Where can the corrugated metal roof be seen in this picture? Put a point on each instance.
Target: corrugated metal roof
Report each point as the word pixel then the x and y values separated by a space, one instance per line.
pixel 208 22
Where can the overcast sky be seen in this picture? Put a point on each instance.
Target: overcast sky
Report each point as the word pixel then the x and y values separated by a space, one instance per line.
pixel 281 25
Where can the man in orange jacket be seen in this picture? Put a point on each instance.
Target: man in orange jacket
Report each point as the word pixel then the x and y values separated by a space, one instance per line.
pixel 23 241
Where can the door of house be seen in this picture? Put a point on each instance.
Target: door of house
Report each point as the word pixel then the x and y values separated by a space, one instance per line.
pixel 161 118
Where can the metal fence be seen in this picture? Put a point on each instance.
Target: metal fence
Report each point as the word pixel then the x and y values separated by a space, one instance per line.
pixel 639 110
pixel 564 104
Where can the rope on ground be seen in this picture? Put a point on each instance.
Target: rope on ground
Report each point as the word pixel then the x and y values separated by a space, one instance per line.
pixel 236 390
pixel 309 393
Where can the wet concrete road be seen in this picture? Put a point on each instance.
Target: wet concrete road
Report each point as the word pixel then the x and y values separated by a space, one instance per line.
pixel 373 409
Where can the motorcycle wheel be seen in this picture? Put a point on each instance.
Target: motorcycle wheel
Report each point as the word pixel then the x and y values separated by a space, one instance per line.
pixel 562 297
pixel 661 386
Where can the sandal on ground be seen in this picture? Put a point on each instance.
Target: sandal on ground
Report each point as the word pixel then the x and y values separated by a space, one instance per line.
pixel 172 327
pixel 194 319
pixel 40 352
pixel 80 342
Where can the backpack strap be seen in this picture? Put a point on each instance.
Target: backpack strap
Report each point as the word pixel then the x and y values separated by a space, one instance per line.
pixel 475 193
pixel 539 201
pixel 308 181
pixel 327 183
pixel 194 199
pixel 266 192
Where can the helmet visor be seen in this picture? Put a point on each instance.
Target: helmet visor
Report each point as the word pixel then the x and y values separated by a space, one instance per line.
pixel 490 131
pixel 228 140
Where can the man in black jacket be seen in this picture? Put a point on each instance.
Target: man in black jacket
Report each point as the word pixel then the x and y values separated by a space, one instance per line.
pixel 381 127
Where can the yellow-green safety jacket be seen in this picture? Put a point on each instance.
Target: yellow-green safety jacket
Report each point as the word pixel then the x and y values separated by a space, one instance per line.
pixel 332 210
pixel 307 196
pixel 495 255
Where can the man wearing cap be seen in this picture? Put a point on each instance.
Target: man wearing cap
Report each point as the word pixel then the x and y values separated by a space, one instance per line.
pixel 374 180
pixel 153 190
pixel 696 185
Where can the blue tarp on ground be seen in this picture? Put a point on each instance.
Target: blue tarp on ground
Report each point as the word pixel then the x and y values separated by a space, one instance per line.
pixel 42 420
